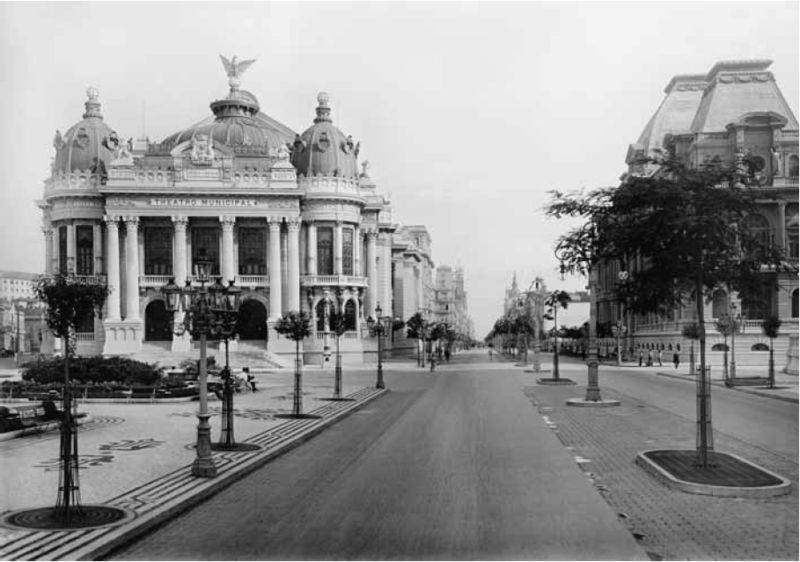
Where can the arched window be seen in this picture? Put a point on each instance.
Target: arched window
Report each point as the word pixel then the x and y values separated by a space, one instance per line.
pixel 793 246
pixel 793 166
pixel 720 304
pixel 350 315
pixel 758 228
pixel 324 251
pixel 84 249
pixel 794 304
pixel 321 311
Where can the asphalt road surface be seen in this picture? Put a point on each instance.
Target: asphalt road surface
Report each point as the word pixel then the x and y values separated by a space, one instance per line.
pixel 451 465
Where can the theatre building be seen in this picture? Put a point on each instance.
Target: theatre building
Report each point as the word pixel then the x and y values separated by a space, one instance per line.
pixel 289 217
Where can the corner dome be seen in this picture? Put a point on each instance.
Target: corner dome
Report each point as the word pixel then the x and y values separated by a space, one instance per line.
pixel 324 150
pixel 89 144
pixel 237 120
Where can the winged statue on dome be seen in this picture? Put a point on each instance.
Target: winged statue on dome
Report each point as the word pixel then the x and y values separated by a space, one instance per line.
pixel 234 69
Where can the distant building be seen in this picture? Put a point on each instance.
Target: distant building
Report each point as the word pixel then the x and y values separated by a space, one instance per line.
pixel 735 109
pixel 450 301
pixel 17 285
pixel 21 313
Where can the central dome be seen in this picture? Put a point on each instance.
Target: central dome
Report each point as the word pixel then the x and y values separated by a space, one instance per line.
pixel 324 150
pixel 237 122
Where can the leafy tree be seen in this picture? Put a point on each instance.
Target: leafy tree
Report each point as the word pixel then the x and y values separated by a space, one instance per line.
pixel 770 327
pixel 296 326
pixel 415 329
pixel 686 226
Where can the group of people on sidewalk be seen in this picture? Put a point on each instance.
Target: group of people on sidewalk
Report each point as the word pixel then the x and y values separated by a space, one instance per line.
pixel 659 356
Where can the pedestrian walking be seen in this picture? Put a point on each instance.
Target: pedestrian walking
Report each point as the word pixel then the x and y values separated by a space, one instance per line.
pixel 649 357
pixel 433 362
pixel 676 358
pixel 641 357
pixel 490 354
pixel 447 354
pixel 660 356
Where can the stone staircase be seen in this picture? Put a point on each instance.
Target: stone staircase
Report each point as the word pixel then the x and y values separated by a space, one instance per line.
pixel 243 354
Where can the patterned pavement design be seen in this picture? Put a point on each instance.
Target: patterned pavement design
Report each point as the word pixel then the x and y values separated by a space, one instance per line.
pixel 671 524
pixel 163 498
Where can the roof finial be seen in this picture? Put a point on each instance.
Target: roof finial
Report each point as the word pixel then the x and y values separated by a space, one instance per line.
pixel 323 110
pixel 92 105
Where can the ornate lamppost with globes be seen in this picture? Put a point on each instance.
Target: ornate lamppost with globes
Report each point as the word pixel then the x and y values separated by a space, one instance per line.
pixel 620 328
pixel 377 328
pixel 207 311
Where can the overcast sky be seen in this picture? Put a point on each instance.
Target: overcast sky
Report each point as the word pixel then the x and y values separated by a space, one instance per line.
pixel 468 112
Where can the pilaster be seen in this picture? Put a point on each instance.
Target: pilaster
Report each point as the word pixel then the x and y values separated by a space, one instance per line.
pixel 274 265
pixel 112 268
pixel 132 268
pixel 227 269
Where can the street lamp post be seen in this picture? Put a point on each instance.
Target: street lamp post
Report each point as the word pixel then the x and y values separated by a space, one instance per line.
pixel 377 328
pixel 205 308
pixel 735 320
pixel 622 329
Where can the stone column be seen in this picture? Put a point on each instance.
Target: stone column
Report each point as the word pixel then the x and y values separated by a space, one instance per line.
pixel 337 248
pixel 312 248
pixel 372 273
pixel 227 270
pixel 386 276
pixel 179 267
pixel 293 277
pixel 132 268
pixel 48 249
pixel 97 248
pixel 782 226
pixel 56 238
pixel 284 236
pixel 274 265
pixel 357 250
pixel 112 267
pixel 71 247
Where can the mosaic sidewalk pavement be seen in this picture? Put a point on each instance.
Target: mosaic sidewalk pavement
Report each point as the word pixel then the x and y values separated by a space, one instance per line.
pixel 669 524
pixel 162 498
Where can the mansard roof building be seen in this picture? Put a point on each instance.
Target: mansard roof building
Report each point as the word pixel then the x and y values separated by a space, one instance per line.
pixel 291 218
pixel 735 109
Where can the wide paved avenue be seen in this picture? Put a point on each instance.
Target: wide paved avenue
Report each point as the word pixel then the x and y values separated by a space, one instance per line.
pixel 452 465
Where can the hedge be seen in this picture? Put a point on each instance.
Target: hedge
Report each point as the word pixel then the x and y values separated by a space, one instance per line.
pixel 97 369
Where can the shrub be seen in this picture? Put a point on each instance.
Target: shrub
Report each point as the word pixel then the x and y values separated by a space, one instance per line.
pixel 95 369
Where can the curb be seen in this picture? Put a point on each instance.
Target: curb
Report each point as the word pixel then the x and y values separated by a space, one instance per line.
pixel 663 476
pixel 186 491
pixel 744 389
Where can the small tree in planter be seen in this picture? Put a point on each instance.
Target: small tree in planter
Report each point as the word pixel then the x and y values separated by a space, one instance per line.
pixel 296 326
pixel 554 301
pixel 69 300
pixel 691 332
pixel 770 327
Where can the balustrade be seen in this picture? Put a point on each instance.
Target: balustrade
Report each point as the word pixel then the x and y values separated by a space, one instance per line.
pixel 314 280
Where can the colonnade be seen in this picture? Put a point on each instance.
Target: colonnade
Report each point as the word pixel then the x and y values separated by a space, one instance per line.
pixel 283 245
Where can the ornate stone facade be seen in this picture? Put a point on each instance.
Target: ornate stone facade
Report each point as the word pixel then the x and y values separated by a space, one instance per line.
pixel 286 216
pixel 734 109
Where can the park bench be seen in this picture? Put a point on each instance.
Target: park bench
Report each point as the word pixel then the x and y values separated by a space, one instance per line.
pixel 22 417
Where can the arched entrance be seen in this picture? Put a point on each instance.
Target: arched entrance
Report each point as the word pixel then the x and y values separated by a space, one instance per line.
pixel 157 322
pixel 252 324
